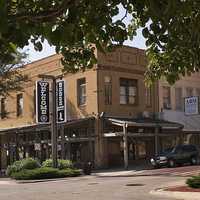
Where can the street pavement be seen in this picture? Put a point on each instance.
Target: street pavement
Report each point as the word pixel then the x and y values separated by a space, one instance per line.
pixel 107 185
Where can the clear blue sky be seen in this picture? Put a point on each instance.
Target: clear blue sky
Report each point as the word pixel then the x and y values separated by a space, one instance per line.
pixel 33 55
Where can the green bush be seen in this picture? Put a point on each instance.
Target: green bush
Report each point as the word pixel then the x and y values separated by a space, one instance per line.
pixel 27 163
pixel 15 167
pixel 69 172
pixel 44 173
pixel 62 164
pixel 193 182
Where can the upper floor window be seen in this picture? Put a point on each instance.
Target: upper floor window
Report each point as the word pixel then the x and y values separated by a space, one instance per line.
pixel 189 92
pixel 128 91
pixel 166 98
pixel 81 90
pixel 108 90
pixel 20 104
pixel 178 99
pixel 148 96
pixel 3 108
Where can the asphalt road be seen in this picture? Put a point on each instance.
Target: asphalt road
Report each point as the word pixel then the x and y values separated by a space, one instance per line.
pixel 128 187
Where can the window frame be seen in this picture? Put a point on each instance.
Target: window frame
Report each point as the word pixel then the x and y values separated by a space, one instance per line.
pixel 148 96
pixel 128 83
pixel 81 83
pixel 19 109
pixel 108 90
pixel 3 113
pixel 169 107
pixel 179 107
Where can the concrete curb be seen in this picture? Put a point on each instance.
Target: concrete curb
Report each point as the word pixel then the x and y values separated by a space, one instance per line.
pixel 177 195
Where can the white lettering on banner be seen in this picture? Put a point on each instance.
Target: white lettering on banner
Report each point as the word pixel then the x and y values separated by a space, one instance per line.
pixel 43 105
pixel 61 101
pixel 42 102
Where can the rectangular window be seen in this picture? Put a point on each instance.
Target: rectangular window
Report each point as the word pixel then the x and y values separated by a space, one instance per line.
pixel 189 92
pixel 3 108
pixel 128 91
pixel 20 105
pixel 178 98
pixel 166 98
pixel 108 90
pixel 148 96
pixel 81 89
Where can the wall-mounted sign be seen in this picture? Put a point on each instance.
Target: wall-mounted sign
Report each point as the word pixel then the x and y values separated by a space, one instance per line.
pixel 60 101
pixel 42 102
pixel 191 105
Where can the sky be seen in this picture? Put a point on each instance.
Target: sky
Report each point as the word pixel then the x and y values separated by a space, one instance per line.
pixel 48 50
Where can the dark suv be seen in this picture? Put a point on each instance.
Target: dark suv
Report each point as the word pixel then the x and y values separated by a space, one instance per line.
pixel 179 154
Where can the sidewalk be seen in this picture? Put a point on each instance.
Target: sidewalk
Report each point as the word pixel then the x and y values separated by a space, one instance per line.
pixel 121 172
pixel 176 194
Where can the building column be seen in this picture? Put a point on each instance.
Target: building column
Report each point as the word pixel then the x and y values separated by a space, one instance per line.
pixel 99 158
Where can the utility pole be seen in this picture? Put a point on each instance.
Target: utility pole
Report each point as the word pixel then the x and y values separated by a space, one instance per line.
pixel 125 146
pixel 54 130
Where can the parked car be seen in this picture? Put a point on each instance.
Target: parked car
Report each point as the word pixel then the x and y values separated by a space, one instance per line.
pixel 179 154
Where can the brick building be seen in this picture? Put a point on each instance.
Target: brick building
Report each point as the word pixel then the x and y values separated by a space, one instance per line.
pixel 102 103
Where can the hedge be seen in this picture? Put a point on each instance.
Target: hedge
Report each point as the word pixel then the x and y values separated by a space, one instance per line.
pixel 193 182
pixel 44 173
pixel 62 164
pixel 27 163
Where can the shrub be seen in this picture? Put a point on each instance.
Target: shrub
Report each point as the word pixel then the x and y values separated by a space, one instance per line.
pixel 69 172
pixel 44 173
pixel 194 182
pixel 27 163
pixel 62 164
pixel 30 163
pixel 15 167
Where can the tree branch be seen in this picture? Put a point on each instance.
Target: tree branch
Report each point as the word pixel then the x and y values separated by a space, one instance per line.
pixel 47 15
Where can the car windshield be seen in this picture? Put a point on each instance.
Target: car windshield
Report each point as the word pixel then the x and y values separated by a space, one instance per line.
pixel 168 150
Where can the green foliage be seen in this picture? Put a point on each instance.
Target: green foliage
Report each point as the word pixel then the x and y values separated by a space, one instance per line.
pixel 11 76
pixel 194 182
pixel 171 29
pixel 62 164
pixel 44 173
pixel 17 166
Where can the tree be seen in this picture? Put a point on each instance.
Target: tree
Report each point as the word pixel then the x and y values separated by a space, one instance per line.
pixel 170 26
pixel 11 76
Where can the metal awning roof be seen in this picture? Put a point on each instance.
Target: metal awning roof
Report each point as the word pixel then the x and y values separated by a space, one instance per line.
pixel 146 122
pixel 40 127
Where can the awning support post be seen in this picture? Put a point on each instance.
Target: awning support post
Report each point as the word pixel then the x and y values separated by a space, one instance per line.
pixel 125 142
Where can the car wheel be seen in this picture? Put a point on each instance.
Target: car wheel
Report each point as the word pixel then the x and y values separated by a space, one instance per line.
pixel 193 161
pixel 171 163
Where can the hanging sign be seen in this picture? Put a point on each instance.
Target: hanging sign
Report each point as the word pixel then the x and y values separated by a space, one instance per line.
pixel 191 105
pixel 42 102
pixel 60 101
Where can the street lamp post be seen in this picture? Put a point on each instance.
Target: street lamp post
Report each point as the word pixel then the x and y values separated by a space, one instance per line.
pixel 54 130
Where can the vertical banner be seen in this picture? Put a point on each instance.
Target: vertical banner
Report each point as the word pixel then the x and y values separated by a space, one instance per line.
pixel 60 101
pixel 42 102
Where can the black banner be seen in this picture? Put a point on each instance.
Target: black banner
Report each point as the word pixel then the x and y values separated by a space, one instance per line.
pixel 42 102
pixel 60 101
